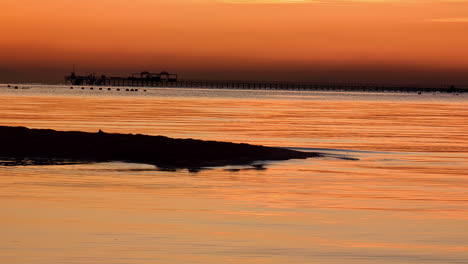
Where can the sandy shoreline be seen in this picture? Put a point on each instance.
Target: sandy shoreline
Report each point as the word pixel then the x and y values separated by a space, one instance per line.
pixel 23 146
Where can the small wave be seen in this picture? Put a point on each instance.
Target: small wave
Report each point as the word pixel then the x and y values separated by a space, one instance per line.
pixel 336 150
pixel 334 153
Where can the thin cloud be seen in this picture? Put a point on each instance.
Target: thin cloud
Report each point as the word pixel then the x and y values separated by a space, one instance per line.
pixel 451 20
pixel 338 1
pixel 274 1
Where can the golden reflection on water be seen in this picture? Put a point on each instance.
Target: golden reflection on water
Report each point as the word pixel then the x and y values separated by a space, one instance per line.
pixel 370 125
pixel 404 201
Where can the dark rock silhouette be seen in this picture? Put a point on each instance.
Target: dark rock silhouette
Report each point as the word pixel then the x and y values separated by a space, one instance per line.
pixel 21 143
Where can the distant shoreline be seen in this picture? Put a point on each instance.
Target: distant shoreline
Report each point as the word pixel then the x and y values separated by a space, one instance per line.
pixel 256 85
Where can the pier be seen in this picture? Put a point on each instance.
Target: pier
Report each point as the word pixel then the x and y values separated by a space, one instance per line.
pixel 169 80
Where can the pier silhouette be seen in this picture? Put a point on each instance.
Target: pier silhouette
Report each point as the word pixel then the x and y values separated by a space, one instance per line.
pixel 170 80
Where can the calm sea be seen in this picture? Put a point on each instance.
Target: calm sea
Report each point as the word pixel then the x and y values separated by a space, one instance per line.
pixel 404 201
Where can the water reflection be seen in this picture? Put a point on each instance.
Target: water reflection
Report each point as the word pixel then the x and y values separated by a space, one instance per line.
pixel 404 200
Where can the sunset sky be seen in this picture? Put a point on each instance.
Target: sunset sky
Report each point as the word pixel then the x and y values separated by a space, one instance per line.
pixel 329 40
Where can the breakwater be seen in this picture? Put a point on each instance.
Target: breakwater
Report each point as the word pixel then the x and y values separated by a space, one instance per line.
pixel 289 86
pixel 298 86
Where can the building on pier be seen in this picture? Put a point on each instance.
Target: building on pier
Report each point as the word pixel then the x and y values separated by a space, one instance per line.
pixel 144 78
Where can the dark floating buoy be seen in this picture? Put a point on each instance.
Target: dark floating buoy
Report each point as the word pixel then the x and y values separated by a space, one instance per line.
pixel 127 90
pixel 9 86
pixel 118 89
pixel 100 88
pixel 144 90
pixel 71 87
pixel 259 166
pixel 136 90
pixel 419 92
pixel 91 88
pixel 82 88
pixel 108 89
pixel 16 87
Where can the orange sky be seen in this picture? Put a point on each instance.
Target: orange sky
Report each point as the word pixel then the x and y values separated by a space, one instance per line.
pixel 373 40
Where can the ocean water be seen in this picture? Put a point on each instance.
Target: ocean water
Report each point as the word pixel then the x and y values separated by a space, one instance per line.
pixel 404 200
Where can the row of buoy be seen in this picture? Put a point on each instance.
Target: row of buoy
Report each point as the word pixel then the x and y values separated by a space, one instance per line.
pixel 110 89
pixel 456 94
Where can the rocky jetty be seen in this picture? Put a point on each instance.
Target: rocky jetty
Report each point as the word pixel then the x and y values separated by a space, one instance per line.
pixel 21 143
